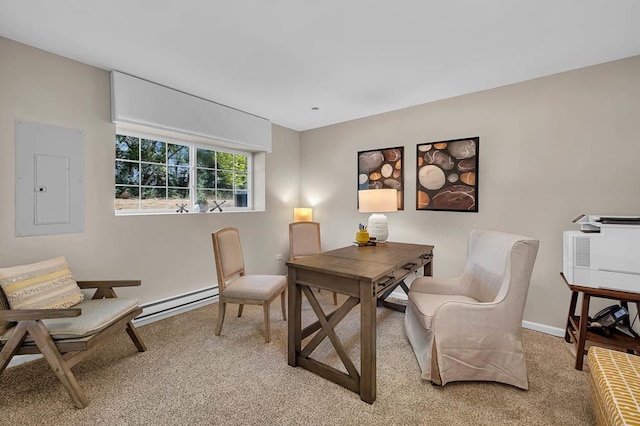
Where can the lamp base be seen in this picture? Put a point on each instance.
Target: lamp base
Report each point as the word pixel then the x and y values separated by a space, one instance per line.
pixel 378 227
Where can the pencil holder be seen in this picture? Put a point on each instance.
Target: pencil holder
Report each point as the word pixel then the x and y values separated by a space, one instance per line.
pixel 362 236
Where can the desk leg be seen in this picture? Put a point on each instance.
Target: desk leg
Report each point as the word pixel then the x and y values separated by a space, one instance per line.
pixel 295 317
pixel 427 271
pixel 582 331
pixel 367 342
pixel 572 312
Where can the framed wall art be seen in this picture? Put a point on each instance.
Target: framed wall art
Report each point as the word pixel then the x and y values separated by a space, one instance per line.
pixel 447 175
pixel 382 168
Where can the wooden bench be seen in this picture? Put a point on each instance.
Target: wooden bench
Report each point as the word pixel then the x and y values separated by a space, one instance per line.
pixel 615 386
pixel 67 336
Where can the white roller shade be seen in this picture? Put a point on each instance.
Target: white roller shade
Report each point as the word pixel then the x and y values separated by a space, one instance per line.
pixel 140 102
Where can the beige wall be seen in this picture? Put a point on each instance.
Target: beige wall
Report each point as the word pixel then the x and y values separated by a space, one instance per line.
pixel 171 254
pixel 550 149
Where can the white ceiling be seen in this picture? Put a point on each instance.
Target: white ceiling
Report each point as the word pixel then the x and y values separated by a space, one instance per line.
pixel 351 58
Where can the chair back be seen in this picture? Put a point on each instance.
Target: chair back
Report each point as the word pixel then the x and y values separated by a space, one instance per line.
pixel 499 267
pixel 304 239
pixel 228 254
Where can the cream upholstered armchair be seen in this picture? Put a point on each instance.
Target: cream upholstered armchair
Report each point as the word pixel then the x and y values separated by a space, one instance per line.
pixel 468 328
pixel 237 287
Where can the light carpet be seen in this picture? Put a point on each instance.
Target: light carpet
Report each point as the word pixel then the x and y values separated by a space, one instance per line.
pixel 190 376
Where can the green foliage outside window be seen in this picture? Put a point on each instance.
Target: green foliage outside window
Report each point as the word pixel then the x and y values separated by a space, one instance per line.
pixel 154 174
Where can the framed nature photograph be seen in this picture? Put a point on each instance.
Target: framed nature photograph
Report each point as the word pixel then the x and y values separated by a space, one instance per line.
pixel 447 175
pixel 382 168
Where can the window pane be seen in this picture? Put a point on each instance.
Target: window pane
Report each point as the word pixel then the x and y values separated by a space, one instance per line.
pixel 127 147
pixel 127 198
pixel 206 158
pixel 127 172
pixel 241 199
pixel 153 175
pixel 153 151
pixel 241 181
pixel 225 161
pixel 206 178
pixel 225 180
pixel 240 163
pixel 206 194
pixel 177 196
pixel 154 198
pixel 225 195
pixel 178 176
pixel 177 155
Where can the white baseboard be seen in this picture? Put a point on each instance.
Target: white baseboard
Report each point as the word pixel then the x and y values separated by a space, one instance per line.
pixel 543 328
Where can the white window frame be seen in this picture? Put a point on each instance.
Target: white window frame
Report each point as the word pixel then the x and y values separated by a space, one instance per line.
pixel 193 190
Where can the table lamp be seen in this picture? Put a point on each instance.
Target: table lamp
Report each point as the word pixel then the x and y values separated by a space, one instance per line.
pixel 302 214
pixel 378 201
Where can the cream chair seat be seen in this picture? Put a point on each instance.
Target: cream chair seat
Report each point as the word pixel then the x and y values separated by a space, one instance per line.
pixel 468 328
pixel 237 287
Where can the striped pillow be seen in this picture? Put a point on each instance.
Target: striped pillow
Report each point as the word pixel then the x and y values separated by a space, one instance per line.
pixel 43 285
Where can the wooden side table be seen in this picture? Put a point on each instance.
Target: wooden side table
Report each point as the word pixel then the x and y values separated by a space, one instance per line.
pixel 576 331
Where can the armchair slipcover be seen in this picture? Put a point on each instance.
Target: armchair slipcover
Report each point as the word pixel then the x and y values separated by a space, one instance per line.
pixel 469 327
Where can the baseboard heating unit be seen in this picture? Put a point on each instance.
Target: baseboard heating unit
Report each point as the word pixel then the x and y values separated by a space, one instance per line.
pixel 164 308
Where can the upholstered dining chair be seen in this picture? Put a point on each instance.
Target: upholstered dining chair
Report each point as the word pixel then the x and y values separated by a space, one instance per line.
pixel 469 328
pixel 304 240
pixel 237 287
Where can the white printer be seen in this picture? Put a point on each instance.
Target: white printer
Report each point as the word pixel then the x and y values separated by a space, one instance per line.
pixel 605 253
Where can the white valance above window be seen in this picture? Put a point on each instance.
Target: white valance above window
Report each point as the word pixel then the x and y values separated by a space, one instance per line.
pixel 142 103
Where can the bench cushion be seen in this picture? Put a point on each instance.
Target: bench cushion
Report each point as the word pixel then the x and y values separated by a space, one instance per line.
pixel 615 386
pixel 42 285
pixel 96 315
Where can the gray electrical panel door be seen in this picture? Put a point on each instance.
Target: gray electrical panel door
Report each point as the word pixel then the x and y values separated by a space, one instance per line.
pixel 49 179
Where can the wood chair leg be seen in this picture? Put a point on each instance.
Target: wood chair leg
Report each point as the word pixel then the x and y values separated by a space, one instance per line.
pixel 283 297
pixel 267 323
pixel 135 337
pixel 222 307
pixel 43 340
pixel 335 298
pixel 240 307
pixel 12 345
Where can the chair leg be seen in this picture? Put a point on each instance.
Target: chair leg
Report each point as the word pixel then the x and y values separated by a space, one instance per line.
pixel 43 341
pixel 335 298
pixel 137 340
pixel 267 323
pixel 222 307
pixel 283 297
pixel 240 307
pixel 11 346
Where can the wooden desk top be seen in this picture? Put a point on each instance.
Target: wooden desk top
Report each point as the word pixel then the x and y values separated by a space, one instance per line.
pixel 368 263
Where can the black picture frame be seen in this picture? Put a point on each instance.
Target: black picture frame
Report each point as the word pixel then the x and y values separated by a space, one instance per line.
pixel 382 168
pixel 447 175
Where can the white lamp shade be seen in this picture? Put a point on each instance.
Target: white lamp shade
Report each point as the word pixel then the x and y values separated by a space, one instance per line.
pixel 377 201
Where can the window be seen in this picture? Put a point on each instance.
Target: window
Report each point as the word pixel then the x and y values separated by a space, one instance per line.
pixel 153 175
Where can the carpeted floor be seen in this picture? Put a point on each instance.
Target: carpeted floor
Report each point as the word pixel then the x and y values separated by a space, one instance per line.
pixel 190 376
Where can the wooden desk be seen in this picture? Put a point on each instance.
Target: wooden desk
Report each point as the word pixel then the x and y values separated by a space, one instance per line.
pixel 576 331
pixel 366 275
